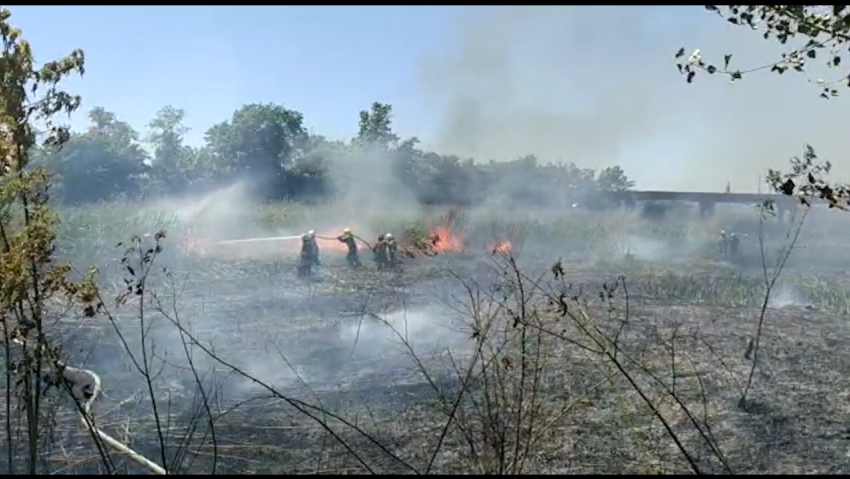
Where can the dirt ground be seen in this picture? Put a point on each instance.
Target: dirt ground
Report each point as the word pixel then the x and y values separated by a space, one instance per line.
pixel 320 343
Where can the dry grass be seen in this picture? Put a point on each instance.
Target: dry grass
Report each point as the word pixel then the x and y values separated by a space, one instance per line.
pixel 643 383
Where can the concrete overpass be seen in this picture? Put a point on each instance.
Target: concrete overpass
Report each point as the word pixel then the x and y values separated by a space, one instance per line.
pixel 707 201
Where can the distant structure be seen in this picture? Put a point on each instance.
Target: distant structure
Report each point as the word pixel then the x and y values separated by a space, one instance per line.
pixel 782 204
pixel 728 187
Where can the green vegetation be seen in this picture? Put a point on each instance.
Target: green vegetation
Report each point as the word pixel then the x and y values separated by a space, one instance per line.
pixel 814 39
pixel 270 142
pixel 598 342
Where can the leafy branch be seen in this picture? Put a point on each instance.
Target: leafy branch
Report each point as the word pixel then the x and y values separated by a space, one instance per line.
pixel 819 31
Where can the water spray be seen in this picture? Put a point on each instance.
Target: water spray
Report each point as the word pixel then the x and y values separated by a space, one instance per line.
pixel 283 238
pixel 259 240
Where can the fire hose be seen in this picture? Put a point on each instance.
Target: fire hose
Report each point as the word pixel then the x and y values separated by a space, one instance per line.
pixel 86 383
pixel 287 238
pixel 328 238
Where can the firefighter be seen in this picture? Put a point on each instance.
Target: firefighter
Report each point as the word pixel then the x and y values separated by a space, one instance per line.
pixel 734 240
pixel 392 249
pixel 348 239
pixel 380 250
pixel 723 242
pixel 306 261
pixel 315 245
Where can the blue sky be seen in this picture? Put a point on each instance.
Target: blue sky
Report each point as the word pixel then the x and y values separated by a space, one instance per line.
pixel 328 62
pixel 594 85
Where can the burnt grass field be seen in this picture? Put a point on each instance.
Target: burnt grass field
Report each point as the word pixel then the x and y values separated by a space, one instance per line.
pixel 633 360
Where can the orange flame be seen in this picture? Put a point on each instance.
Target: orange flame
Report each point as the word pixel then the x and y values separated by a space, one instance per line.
pixel 500 247
pixel 444 239
pixel 328 242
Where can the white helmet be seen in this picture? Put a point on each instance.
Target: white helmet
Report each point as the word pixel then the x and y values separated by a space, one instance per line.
pixel 311 233
pixel 388 236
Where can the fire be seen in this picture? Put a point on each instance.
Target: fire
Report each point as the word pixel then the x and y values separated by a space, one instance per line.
pixel 500 247
pixel 444 239
pixel 329 242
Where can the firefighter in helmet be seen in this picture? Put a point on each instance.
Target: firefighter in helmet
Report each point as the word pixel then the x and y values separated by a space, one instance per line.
pixel 723 242
pixel 392 249
pixel 734 241
pixel 347 238
pixel 306 260
pixel 315 245
pixel 380 251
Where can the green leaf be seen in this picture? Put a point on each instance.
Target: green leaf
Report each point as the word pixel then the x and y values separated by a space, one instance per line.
pixel 811 53
pixel 836 60
pixel 726 59
pixel 787 188
pixel 680 53
pixel 737 75
pixel 691 77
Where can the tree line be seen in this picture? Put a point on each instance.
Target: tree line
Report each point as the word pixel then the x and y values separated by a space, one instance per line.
pixel 269 145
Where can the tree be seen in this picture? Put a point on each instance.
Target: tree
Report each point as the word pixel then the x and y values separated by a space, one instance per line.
pixel 30 278
pixel 106 124
pixel 259 139
pixel 814 28
pixel 269 143
pixel 376 126
pixel 613 178
pixel 810 30
pixel 449 181
pixel 172 160
pixel 307 174
pixel 105 161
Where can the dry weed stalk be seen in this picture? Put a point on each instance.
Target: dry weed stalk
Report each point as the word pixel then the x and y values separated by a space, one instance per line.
pixel 599 336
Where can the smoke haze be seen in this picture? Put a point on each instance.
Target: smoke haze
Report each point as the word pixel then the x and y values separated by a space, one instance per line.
pixel 598 86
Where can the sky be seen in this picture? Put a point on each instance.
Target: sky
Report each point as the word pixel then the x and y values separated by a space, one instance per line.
pixel 593 85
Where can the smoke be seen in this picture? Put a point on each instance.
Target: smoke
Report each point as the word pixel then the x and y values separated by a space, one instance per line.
pixel 369 190
pixel 425 329
pixel 598 86
pixel 218 214
pixel 359 348
pixel 786 296
pixel 592 85
pixel 644 249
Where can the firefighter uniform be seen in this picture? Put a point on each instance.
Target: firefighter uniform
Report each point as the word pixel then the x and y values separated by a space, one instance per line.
pixel 306 260
pixel 380 250
pixel 723 243
pixel 392 249
pixel 315 245
pixel 348 239
pixel 734 241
